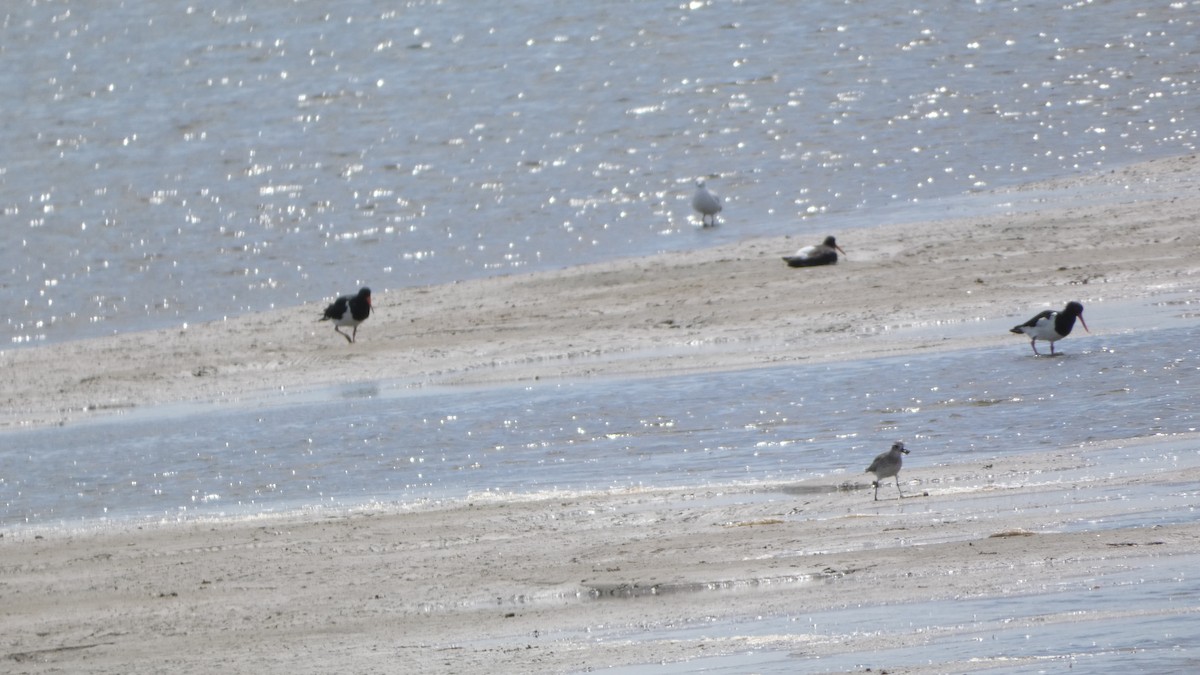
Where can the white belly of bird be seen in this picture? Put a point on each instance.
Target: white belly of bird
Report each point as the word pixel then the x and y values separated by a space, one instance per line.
pixel 1044 330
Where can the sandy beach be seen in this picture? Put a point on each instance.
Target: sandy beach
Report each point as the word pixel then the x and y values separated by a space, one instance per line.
pixel 567 585
pixel 911 287
pixel 576 584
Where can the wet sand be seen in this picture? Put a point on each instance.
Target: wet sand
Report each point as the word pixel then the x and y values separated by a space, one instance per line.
pixel 579 582
pixel 911 287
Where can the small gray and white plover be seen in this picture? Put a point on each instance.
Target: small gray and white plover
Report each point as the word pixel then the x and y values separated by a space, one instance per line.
pixel 887 465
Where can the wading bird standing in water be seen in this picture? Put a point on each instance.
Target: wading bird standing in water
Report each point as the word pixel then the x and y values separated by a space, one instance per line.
pixel 706 204
pixel 1051 326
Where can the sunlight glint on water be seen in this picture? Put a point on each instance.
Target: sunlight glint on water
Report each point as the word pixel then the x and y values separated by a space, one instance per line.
pixel 359 445
pixel 170 163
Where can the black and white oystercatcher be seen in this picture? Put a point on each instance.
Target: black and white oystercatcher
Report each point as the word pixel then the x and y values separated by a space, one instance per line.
pixel 886 465
pixel 824 253
pixel 349 311
pixel 706 204
pixel 1051 326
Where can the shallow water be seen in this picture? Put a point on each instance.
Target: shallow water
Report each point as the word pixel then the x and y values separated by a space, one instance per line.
pixel 385 442
pixel 168 163
pixel 1101 617
pixel 1083 623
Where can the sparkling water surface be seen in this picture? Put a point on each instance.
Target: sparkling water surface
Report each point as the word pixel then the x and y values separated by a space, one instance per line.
pixel 179 162
pixel 172 162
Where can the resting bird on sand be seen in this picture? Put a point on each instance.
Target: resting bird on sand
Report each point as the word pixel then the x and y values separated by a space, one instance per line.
pixel 886 465
pixel 349 311
pixel 824 253
pixel 1051 326
pixel 706 204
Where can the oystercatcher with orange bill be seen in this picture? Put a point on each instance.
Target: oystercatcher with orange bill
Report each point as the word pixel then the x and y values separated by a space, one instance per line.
pixel 349 311
pixel 824 253
pixel 1052 326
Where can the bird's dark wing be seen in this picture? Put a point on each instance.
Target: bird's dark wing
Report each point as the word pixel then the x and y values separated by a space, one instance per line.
pixel 1048 314
pixel 336 309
